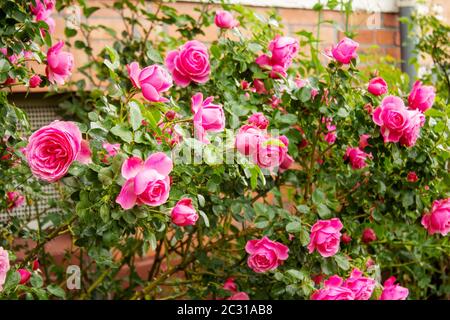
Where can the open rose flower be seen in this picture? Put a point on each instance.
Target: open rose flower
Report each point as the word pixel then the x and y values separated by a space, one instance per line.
pixel 85 155
pixel 325 237
pixel 59 64
pixel 364 141
pixel 412 177
pixel 392 291
pixel 52 149
pixel 146 182
pixel 333 290
pixel 258 120
pixel 152 80
pixel 283 50
pixel 377 86
pixel 265 254
pixel 225 20
pixel 361 286
pixel 421 97
pixel 393 118
pixel 189 63
pixel 208 117
pixel 111 148
pixel 345 50
pixel 14 199
pixel 248 138
pixel 184 214
pixel 356 157
pixel 412 132
pixel 4 266
pixel 438 220
pixel 35 81
pixel 270 153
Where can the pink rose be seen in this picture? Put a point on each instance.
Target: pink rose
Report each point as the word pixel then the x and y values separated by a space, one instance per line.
pixel 393 291
pixel 259 86
pixel 85 155
pixel 270 153
pixel 287 163
pixel 356 157
pixel 189 63
pixel 258 120
pixel 111 148
pixel 146 182
pixel 25 275
pixel 421 97
pixel 392 117
pixel 184 214
pixel 361 286
pixel 412 132
pixel 45 16
pixel 59 64
pixel 368 235
pixel 325 237
pixel 239 296
pixel 438 220
pixel 333 290
pixel 346 239
pixel 265 254
pixel 330 137
pixel 208 117
pixel 377 86
pixel 52 149
pixel 283 51
pixel 364 141
pixel 225 20
pixel 35 264
pixel 345 50
pixel 14 199
pixel 412 177
pixel 11 58
pixel 42 5
pixel 152 80
pixel 4 266
pixel 248 138
pixel 230 285
pixel 35 81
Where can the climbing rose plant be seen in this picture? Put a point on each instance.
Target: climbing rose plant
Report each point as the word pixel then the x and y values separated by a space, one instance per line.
pixel 245 168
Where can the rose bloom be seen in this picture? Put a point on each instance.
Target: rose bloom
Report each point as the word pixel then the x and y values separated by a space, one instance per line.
pixel 368 235
pixel 4 266
pixel 52 149
pixel 270 153
pixel 333 290
pixel 377 86
pixel 392 291
pixel 146 182
pixel 364 141
pixel 346 239
pixel 111 148
pixel 325 237
pixel 265 254
pixel 208 117
pixel 345 50
pixel 35 81
pixel 361 286
pixel 393 118
pixel 248 138
pixel 239 296
pixel 14 199
pixel 225 20
pixel 258 120
pixel 85 155
pixel 356 157
pixel 189 63
pixel 184 214
pixel 59 64
pixel 259 86
pixel 25 275
pixel 152 80
pixel 412 177
pixel 412 132
pixel 421 97
pixel 230 285
pixel 438 220
pixel 283 50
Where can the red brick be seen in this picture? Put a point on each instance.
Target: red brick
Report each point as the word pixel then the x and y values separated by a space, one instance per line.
pixel 394 52
pixel 385 37
pixel 390 20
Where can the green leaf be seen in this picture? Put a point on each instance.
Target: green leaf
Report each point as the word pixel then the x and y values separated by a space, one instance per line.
pixel 205 218
pixel 407 199
pixel 342 261
pixel 122 132
pixel 56 291
pixel 135 115
pixel 296 274
pixel 304 237
pixel 318 197
pixel 4 66
pixel 323 211
pixel 303 208
pixel 154 55
pixel 293 227
pixel 36 281
pixel 201 200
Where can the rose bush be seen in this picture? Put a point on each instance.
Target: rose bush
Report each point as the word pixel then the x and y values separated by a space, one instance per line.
pixel 243 163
